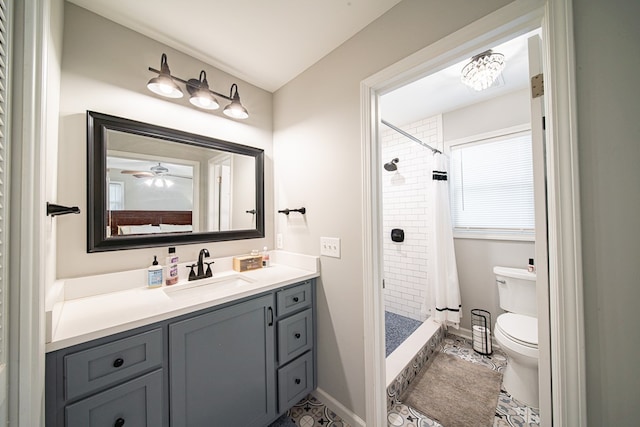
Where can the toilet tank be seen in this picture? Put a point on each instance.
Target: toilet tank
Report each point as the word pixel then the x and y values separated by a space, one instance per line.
pixel 517 290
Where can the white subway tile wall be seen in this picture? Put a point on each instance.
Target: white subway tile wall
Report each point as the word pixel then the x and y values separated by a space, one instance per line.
pixel 404 206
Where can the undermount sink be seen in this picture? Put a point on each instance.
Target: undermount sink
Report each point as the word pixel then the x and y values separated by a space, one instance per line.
pixel 205 287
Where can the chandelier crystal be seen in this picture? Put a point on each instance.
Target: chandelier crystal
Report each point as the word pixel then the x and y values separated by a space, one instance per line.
pixel 482 71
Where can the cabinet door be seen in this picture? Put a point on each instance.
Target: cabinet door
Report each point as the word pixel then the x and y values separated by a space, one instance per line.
pixel 222 368
pixel 134 403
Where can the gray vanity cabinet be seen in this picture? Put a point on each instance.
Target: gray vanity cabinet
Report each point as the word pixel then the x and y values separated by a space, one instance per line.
pixel 295 327
pixel 242 363
pixel 222 367
pixel 110 382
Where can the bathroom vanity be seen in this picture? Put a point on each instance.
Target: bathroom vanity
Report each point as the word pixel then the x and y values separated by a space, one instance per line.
pixel 238 349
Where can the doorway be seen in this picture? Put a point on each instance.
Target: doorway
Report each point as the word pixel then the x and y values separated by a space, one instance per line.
pixel 565 326
pixel 492 198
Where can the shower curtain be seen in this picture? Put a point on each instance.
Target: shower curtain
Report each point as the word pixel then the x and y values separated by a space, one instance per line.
pixel 443 295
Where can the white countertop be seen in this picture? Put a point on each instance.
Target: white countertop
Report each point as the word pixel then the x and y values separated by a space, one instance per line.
pixel 79 319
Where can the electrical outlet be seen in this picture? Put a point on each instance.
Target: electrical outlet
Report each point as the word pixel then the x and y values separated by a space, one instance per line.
pixel 279 241
pixel 330 246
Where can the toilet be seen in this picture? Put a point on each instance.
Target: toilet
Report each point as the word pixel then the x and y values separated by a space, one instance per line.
pixel 516 332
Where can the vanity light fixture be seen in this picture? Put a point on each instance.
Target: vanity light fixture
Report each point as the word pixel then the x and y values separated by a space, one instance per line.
pixel 482 71
pixel 164 85
pixel 235 109
pixel 201 95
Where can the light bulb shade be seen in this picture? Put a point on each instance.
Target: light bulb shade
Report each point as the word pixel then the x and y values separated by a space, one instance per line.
pixel 483 70
pixel 235 110
pixel 204 100
pixel 164 85
pixel 201 96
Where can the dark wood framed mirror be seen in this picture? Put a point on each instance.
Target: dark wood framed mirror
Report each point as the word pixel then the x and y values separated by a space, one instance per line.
pixel 151 186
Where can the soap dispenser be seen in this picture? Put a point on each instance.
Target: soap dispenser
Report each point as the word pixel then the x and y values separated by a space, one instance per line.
pixel 154 274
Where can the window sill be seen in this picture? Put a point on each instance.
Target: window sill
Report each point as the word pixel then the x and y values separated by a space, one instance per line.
pixel 487 235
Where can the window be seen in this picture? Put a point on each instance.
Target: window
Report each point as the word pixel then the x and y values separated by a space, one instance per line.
pixel 116 196
pixel 492 186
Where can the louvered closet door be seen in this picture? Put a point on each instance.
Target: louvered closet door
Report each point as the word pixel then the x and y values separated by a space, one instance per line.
pixel 4 227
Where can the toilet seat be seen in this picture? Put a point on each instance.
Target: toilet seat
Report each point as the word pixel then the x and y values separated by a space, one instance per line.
pixel 519 328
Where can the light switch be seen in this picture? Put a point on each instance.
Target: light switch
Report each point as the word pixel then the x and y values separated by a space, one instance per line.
pixel 330 246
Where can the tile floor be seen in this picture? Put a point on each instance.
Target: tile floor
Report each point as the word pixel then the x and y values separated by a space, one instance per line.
pixel 310 412
pixel 509 412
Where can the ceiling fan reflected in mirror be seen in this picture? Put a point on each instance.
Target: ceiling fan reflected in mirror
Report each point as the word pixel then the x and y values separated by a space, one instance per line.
pixel 156 176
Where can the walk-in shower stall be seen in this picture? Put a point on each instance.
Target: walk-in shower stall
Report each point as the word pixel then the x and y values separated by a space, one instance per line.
pixel 405 218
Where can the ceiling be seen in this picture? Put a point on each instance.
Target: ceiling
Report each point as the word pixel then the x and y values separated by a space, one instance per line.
pixel 268 43
pixel 264 42
pixel 443 91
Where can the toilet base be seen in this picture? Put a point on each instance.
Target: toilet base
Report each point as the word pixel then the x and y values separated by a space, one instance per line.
pixel 521 382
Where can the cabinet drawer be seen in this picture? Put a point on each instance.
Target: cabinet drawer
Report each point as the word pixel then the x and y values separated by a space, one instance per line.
pixel 134 403
pixel 295 381
pixel 295 335
pixel 293 299
pixel 88 370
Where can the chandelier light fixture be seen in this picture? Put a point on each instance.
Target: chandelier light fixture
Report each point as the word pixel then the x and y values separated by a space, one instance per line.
pixel 483 69
pixel 201 95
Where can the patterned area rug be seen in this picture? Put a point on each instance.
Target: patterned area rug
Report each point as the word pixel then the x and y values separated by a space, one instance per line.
pixel 455 393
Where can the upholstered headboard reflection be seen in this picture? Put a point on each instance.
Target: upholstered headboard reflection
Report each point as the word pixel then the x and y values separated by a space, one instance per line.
pixel 171 221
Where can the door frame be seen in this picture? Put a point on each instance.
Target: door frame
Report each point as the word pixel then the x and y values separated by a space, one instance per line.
pixel 567 367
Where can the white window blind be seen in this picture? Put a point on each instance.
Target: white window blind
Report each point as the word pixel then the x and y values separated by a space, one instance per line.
pixel 492 185
pixel 116 195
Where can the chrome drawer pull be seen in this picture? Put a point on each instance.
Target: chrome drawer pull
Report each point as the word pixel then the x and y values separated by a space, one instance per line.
pixel 116 364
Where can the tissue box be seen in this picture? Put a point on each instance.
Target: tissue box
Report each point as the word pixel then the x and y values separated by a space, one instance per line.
pixel 247 262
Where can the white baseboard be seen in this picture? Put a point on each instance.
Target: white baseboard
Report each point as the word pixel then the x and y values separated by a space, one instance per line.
pixel 461 332
pixel 346 414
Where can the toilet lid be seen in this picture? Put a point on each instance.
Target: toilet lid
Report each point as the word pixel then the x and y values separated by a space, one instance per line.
pixel 519 327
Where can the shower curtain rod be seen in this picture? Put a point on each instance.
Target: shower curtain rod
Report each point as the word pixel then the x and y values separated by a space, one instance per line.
pixel 411 137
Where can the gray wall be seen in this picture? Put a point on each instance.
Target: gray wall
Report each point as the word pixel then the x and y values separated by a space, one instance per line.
pixel 607 41
pixel 502 112
pixel 104 69
pixel 317 151
pixel 476 259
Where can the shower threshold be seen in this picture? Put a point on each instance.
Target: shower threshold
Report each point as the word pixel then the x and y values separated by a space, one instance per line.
pixel 404 354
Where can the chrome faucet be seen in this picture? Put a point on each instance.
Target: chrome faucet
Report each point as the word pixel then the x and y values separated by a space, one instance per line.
pixel 201 273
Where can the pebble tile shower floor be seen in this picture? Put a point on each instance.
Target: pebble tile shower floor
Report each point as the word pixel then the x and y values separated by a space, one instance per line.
pixel 397 329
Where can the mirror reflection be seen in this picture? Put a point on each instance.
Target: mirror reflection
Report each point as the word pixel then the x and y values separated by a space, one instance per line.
pixel 160 183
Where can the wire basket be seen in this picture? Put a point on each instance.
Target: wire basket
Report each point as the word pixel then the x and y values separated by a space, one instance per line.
pixel 481 331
